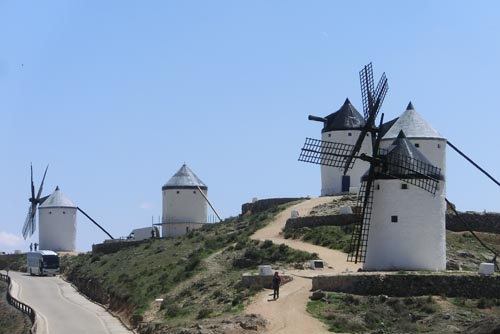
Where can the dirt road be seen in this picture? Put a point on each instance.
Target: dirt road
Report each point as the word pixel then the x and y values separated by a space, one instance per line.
pixel 288 314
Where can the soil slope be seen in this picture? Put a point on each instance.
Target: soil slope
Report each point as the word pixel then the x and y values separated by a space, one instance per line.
pixel 288 313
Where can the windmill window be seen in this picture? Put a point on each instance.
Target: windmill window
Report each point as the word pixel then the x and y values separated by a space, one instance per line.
pixel 64 212
pixel 404 186
pixel 417 145
pixel 329 135
pixel 50 212
pixel 194 191
pixel 439 145
pixel 349 134
pixel 394 219
pixel 178 191
pixel 377 187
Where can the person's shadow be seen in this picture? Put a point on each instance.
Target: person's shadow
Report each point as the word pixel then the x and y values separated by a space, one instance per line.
pixel 272 299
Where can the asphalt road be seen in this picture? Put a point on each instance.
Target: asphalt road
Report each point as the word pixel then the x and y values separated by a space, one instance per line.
pixel 60 308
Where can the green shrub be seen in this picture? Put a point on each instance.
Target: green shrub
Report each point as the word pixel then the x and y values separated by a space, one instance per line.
pixel 203 313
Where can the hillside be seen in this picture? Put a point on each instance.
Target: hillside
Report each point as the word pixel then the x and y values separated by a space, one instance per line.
pixel 197 275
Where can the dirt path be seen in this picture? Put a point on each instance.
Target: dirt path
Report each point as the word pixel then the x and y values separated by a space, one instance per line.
pixel 288 314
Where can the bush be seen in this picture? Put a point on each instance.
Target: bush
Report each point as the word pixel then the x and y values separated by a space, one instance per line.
pixel 204 313
pixel 485 303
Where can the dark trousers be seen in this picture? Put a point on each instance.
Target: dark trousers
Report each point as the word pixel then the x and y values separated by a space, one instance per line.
pixel 276 292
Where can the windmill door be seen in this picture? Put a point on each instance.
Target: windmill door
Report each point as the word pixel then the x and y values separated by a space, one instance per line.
pixel 346 183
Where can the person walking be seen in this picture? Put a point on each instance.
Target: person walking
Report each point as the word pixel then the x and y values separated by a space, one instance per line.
pixel 276 285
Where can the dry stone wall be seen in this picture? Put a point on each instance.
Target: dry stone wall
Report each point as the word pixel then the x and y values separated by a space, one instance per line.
pixel 265 204
pixel 405 285
pixel 478 222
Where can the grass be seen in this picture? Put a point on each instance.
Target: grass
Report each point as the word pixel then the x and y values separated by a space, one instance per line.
pixel 198 274
pixel 333 237
pixel 359 314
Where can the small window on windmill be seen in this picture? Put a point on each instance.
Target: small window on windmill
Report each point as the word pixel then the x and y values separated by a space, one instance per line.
pixel 64 212
pixel 317 264
pixel 394 219
pixel 439 145
pixel 404 186
pixel 50 212
pixel 178 192
pixel 349 134
pixel 377 187
pixel 329 135
pixel 194 191
pixel 417 145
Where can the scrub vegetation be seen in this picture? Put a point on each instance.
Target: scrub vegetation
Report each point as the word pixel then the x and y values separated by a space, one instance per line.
pixel 197 275
pixel 346 313
pixel 12 321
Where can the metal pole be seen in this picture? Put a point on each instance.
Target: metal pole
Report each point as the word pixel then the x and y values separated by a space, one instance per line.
pixel 473 163
pixel 93 221
pixel 206 199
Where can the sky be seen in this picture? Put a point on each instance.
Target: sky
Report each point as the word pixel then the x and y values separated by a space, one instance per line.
pixel 116 95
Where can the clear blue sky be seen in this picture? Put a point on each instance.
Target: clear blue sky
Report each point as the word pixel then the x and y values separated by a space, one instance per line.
pixel 116 95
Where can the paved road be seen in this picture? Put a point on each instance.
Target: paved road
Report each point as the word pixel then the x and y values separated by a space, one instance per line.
pixel 61 309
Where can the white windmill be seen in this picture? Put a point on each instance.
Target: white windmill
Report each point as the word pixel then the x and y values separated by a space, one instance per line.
pixel 57 220
pixel 398 193
pixel 184 203
pixel 420 133
pixel 57 217
pixel 343 126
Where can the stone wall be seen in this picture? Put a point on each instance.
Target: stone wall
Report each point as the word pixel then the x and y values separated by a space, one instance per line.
pixel 265 204
pixel 316 221
pixel 478 222
pixel 115 246
pixel 259 282
pixel 404 285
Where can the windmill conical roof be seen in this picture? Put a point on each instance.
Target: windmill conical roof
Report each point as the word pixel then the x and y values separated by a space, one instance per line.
pixel 413 125
pixel 346 118
pixel 404 160
pixel 57 200
pixel 184 178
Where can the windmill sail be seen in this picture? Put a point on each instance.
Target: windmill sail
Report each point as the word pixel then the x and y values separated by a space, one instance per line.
pixel 359 237
pixel 326 153
pixel 29 226
pixel 29 223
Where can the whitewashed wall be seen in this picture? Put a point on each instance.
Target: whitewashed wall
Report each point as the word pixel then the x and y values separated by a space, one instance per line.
pixel 331 177
pixel 57 228
pixel 418 240
pixel 185 206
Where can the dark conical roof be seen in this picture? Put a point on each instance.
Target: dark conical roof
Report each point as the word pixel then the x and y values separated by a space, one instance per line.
pixel 405 160
pixel 184 179
pixel 346 118
pixel 403 147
